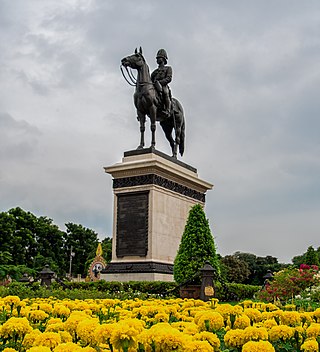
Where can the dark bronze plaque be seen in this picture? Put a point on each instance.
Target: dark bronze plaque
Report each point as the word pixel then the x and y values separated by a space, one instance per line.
pixel 132 224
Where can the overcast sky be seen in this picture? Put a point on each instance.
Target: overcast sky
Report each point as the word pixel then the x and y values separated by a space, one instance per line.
pixel 246 72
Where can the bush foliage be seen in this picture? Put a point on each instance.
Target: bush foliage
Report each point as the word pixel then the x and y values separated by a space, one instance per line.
pixel 196 247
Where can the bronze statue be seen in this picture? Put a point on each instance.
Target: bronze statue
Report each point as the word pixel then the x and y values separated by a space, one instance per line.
pixel 152 97
pixel 161 77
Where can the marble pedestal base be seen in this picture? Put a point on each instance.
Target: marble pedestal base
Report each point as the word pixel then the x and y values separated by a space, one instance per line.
pixel 153 194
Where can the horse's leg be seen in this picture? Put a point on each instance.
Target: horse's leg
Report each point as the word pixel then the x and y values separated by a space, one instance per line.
pixel 142 119
pixel 177 131
pixel 167 129
pixel 153 112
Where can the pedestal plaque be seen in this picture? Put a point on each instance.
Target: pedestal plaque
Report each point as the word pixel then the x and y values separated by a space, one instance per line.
pixel 153 194
pixel 132 224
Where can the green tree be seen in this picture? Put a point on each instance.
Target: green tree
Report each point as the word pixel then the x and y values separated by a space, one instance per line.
pixel 50 245
pixel 196 247
pixel 23 242
pixel 311 257
pixel 259 266
pixel 7 230
pixel 237 270
pixel 106 245
pixel 30 241
pixel 5 258
pixel 83 243
pixel 298 260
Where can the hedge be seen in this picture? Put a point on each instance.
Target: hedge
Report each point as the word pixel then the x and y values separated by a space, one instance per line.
pixel 122 290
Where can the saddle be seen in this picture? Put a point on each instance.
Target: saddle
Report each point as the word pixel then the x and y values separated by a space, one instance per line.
pixel 160 102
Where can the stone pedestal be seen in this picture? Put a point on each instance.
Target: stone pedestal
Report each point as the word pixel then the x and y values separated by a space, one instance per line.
pixel 153 194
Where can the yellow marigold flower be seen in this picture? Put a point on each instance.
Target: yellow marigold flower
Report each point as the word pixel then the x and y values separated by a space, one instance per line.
pixel 209 320
pixel 210 337
pixel 60 310
pixel 164 337
pixel 65 336
pixel 39 349
pixel 290 307
pixel 299 334
pixel 48 339
pixel 103 332
pixel 162 317
pixel 195 346
pixel 15 326
pixel 306 317
pixel 316 315
pixel 47 307
pixel 310 346
pixel 281 332
pixel 269 323
pixel 74 319
pixel 253 333
pixel 107 302
pixel 253 314
pixel 8 349
pixel 38 315
pixel 313 331
pixel 258 346
pixel 234 338
pixel 55 327
pixel 11 300
pixel 189 328
pixel 241 322
pixel 237 310
pixel 271 307
pixel 124 335
pixel 227 309
pixel 145 338
pixel 290 318
pixel 168 339
pixel 89 349
pixel 29 339
pixel 277 314
pixel 85 330
pixel 68 347
pixel 247 304
pixel 54 321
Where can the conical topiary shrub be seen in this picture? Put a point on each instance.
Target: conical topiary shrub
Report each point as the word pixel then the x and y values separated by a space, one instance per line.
pixel 196 247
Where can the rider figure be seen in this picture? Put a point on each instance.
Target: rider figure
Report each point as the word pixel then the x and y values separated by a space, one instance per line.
pixel 161 77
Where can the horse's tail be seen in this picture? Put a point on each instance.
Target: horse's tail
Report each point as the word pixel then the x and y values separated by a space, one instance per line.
pixel 182 138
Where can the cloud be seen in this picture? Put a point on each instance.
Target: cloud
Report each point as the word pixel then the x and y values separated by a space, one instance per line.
pixel 247 74
pixel 18 139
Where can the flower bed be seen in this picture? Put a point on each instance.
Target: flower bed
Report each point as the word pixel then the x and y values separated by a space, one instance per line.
pixel 154 325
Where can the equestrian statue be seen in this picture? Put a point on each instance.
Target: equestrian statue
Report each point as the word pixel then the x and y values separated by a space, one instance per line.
pixel 152 98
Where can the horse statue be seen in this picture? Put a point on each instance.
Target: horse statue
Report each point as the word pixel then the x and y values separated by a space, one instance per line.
pixel 148 103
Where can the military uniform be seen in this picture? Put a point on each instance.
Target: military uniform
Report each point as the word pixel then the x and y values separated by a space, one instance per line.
pixel 161 77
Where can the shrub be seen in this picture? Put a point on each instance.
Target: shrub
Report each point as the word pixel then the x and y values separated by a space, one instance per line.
pixel 196 247
pixel 290 282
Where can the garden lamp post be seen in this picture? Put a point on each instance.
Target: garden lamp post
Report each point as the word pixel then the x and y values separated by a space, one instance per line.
pixel 207 284
pixel 46 275
pixel 267 277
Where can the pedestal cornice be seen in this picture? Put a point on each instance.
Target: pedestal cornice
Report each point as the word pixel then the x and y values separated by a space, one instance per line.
pixel 135 165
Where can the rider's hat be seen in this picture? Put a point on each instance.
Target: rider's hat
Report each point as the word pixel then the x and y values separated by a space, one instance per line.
pixel 162 53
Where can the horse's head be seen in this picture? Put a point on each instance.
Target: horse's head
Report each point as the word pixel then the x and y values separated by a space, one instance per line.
pixel 134 61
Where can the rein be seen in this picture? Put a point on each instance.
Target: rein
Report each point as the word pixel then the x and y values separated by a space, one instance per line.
pixel 131 80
